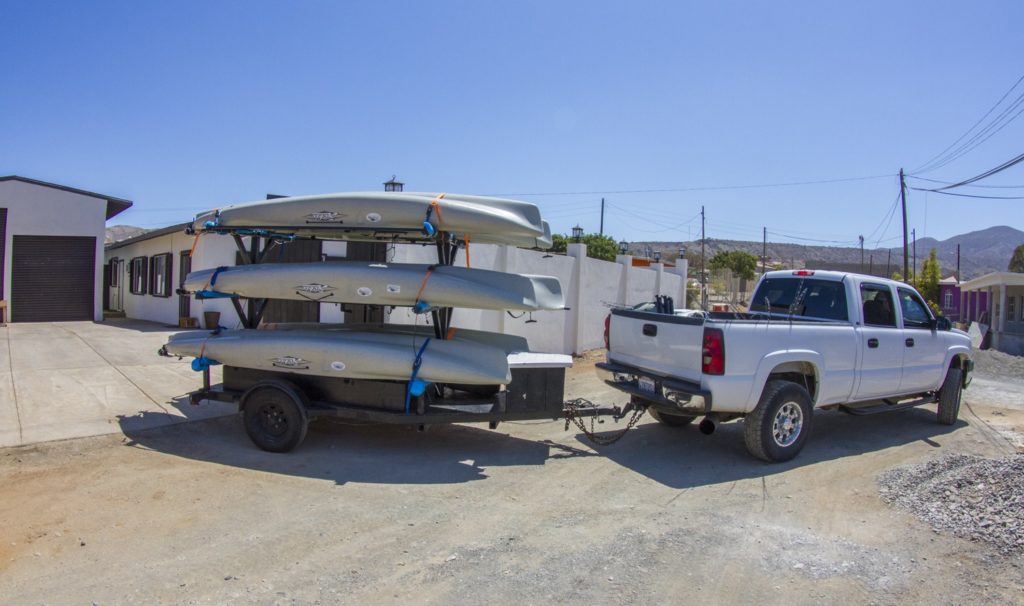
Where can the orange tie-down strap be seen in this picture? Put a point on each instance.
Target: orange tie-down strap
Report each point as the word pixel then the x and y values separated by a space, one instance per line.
pixel 423 284
pixel 195 242
pixel 466 237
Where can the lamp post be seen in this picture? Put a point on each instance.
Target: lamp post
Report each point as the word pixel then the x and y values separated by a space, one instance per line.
pixel 623 247
pixel 577 233
pixel 393 184
pixel 657 256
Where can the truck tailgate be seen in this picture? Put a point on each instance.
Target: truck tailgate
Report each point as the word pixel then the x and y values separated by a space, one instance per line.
pixel 658 343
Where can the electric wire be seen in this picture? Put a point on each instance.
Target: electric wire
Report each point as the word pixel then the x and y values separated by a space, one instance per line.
pixel 686 189
pixel 927 166
pixel 992 171
pixel 972 185
pixel 950 193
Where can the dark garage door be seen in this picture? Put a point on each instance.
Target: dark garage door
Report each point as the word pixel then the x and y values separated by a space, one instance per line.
pixel 53 278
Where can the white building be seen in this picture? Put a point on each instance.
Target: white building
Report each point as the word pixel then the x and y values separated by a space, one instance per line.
pixel 51 250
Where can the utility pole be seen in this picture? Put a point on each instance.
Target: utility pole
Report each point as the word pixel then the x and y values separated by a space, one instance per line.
pixel 764 250
pixel 602 217
pixel 861 253
pixel 871 265
pixel 958 263
pixel 914 234
pixel 888 265
pixel 903 199
pixel 703 280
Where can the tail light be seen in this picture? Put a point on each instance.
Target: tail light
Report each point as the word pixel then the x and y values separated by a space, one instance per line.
pixel 713 362
pixel 607 325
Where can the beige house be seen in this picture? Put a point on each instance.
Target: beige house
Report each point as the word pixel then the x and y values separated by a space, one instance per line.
pixel 1005 308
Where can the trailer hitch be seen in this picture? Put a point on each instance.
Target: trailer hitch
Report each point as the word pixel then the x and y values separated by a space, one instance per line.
pixel 576 409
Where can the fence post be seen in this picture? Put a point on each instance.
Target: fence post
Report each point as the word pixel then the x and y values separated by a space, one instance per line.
pixel 579 253
pixel 627 265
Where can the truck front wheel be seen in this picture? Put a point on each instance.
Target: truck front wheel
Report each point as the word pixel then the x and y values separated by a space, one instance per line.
pixel 949 396
pixel 777 428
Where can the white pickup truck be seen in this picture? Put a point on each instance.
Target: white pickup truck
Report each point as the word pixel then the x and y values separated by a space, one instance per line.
pixel 812 339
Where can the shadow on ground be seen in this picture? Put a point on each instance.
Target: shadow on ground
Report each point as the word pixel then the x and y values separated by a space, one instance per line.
pixel 376 454
pixel 682 457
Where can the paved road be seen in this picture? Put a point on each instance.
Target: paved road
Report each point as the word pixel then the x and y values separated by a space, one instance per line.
pixel 74 379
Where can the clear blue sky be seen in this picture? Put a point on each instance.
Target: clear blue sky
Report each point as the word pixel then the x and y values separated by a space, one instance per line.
pixel 183 106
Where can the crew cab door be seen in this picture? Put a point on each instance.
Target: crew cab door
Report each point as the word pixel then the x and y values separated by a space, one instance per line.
pixel 925 350
pixel 881 344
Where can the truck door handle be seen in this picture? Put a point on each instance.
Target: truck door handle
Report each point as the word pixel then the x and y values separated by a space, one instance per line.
pixel 910 342
pixel 650 330
pixel 873 343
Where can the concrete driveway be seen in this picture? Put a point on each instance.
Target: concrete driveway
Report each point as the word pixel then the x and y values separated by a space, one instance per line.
pixel 65 380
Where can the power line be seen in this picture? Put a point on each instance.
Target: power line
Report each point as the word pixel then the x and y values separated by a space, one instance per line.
pixel 988 173
pixel 951 183
pixel 686 189
pixel 927 166
pixel 1018 103
pixel 949 193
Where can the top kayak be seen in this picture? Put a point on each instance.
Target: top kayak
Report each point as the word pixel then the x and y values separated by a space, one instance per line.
pixel 407 216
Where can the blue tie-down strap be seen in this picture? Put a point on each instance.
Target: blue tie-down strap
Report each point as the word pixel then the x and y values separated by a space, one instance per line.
pixel 416 386
pixel 203 363
pixel 212 294
pixel 429 229
pixel 421 307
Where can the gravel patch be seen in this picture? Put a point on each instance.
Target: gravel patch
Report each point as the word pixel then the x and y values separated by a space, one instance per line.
pixel 996 364
pixel 973 497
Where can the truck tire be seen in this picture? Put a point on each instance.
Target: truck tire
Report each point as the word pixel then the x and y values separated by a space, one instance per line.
pixel 275 417
pixel 949 397
pixel 670 420
pixel 777 428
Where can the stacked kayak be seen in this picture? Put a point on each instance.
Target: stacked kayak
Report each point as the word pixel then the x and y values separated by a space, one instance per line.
pixel 393 216
pixel 393 352
pixel 399 284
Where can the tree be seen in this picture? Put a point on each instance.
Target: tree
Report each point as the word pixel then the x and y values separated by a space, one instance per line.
pixel 742 264
pixel 1017 260
pixel 928 279
pixel 598 246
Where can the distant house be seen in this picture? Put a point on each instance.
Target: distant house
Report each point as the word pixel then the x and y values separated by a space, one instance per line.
pixel 1000 304
pixel 51 249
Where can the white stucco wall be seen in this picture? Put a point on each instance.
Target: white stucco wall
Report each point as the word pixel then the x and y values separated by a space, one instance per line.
pixel 37 210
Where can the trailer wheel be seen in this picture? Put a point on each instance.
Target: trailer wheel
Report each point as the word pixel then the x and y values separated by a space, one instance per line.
pixel 275 416
pixel 777 428
pixel 949 397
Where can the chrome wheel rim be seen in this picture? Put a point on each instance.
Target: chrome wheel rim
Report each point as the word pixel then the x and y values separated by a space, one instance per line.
pixel 789 421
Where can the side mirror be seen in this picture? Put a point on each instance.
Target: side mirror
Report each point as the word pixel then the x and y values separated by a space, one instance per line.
pixel 942 323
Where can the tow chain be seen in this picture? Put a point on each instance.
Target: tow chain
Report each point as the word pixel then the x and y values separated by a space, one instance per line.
pixel 572 409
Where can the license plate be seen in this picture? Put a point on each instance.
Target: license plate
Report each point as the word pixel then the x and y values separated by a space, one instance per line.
pixel 646 384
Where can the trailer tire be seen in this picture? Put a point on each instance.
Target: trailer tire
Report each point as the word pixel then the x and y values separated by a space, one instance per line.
pixel 275 416
pixel 949 397
pixel 669 419
pixel 777 428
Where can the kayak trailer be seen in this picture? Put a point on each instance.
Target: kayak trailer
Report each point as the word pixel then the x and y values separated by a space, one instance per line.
pixel 277 406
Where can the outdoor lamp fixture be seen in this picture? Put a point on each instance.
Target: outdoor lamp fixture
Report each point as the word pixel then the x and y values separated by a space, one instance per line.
pixel 393 184
pixel 682 252
pixel 577 233
pixel 623 247
pixel 657 256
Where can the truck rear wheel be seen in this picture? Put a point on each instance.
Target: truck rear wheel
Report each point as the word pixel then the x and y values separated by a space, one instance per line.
pixel 275 416
pixel 777 428
pixel 949 397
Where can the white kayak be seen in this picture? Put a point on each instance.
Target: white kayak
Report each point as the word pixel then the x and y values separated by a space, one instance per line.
pixel 510 344
pixel 348 354
pixel 400 284
pixel 384 215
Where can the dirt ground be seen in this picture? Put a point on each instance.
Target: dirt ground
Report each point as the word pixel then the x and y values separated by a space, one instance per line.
pixel 528 513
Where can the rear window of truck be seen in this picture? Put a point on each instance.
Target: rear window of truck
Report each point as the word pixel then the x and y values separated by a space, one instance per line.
pixel 802 297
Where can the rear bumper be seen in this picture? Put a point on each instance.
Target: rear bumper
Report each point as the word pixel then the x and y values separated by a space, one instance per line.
pixel 669 395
